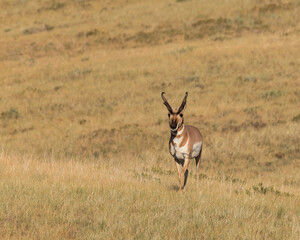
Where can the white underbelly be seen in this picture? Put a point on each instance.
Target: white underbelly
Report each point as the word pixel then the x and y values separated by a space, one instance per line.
pixel 180 156
pixel 182 152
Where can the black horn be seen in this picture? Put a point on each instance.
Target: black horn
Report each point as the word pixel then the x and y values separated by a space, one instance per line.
pixel 166 102
pixel 183 103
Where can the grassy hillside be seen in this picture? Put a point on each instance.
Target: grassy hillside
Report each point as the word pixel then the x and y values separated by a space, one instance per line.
pixel 84 134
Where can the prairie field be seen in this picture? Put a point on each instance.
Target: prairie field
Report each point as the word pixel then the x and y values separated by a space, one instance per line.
pixel 84 132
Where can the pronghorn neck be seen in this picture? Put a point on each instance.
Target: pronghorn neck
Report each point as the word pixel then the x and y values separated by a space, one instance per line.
pixel 180 129
pixel 180 138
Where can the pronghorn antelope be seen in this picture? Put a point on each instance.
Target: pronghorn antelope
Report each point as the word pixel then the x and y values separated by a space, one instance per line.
pixel 185 141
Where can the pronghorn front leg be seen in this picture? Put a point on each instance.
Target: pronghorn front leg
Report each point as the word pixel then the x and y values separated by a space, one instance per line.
pixel 178 167
pixel 183 177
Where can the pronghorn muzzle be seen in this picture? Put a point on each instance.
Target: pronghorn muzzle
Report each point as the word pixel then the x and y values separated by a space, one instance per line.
pixel 173 125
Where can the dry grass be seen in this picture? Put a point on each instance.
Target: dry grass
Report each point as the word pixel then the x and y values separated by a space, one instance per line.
pixel 59 200
pixel 84 132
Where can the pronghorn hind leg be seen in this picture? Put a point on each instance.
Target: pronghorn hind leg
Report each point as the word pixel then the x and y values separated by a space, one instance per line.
pixel 197 166
pixel 186 173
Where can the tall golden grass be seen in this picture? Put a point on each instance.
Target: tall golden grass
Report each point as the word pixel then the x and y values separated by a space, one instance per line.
pixel 84 134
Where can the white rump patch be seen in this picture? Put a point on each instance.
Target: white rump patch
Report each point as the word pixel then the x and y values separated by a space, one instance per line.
pixel 196 149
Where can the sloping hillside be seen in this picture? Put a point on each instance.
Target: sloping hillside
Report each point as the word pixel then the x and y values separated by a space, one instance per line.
pixel 84 134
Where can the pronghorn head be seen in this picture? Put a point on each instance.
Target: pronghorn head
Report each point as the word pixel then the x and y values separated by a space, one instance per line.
pixel 175 115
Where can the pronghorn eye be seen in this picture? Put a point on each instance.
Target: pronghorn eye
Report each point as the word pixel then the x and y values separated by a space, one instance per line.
pixel 181 115
pixel 169 114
